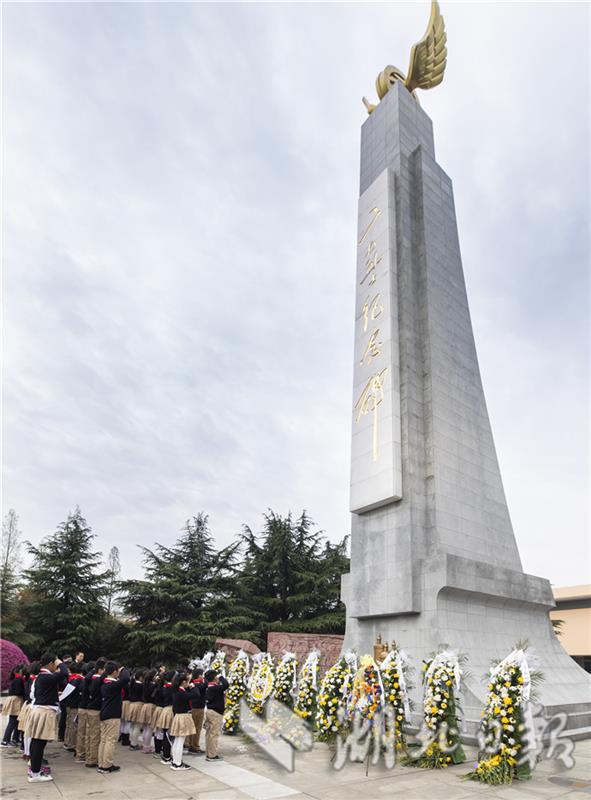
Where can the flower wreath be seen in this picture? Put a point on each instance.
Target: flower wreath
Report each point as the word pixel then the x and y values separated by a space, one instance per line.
pixel 507 734
pixel 237 678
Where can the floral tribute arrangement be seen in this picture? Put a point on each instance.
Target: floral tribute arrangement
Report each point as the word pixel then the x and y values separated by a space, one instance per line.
pixel 219 662
pixel 507 730
pixel 201 663
pixel 395 671
pixel 307 694
pixel 238 680
pixel 366 699
pixel 332 697
pixel 286 679
pixel 262 681
pixel 441 739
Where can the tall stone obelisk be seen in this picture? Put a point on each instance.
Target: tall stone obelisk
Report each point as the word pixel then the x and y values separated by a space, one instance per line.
pixel 433 555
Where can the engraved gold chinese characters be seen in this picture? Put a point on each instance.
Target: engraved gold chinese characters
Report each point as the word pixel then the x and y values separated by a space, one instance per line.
pixel 371 397
pixel 373 349
pixel 427 61
pixel 373 392
pixel 371 310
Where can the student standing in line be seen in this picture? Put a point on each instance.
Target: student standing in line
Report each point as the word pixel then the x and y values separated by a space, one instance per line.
pixel 156 717
pixel 165 717
pixel 149 707
pixel 63 716
pixel 182 722
pixel 135 708
pixel 214 716
pixel 93 714
pixel 197 711
pixel 87 670
pixel 71 705
pixel 22 717
pixel 13 705
pixel 42 718
pixel 114 679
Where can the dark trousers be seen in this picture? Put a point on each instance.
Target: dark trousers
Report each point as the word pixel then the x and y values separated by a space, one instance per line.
pixel 37 748
pixel 11 731
pixel 166 745
pixel 157 745
pixel 62 724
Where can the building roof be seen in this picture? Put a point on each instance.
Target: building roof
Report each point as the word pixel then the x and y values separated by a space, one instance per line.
pixel 581 592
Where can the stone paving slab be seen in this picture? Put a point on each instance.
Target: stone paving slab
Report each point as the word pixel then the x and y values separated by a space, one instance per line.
pixel 247 774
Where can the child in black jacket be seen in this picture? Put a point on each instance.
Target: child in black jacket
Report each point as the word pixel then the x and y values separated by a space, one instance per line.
pixel 113 681
pixel 41 722
pixel 215 702
pixel 13 705
pixel 182 722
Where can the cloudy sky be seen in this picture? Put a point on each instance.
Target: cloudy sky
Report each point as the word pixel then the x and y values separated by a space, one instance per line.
pixel 180 188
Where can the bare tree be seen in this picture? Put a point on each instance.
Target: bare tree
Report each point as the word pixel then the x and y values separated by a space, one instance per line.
pixel 11 553
pixel 114 567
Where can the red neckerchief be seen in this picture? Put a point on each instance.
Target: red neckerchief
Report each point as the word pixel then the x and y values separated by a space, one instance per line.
pixel 182 689
pixel 212 684
pixel 74 676
pixel 167 685
pixel 45 671
pixel 17 675
pixel 96 676
pixel 110 680
pixel 34 678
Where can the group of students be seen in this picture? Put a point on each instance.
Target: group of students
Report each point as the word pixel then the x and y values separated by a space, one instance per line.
pixel 91 706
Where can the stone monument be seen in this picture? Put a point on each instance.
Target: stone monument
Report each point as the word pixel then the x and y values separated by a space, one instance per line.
pixel 433 555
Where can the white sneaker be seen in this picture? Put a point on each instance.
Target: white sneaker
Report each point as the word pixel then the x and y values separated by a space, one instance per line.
pixel 39 778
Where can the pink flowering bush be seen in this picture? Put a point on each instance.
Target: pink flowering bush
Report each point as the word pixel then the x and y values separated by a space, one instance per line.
pixel 10 656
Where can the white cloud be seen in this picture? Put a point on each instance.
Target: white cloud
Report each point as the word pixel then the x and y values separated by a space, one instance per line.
pixel 180 192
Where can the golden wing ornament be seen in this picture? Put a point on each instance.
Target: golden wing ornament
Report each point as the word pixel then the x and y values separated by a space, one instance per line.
pixel 429 56
pixel 427 61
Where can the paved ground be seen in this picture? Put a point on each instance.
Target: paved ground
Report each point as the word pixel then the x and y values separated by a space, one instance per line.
pixel 247 774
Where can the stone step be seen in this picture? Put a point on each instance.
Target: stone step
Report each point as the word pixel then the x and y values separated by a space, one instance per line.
pixel 576 734
pixel 580 719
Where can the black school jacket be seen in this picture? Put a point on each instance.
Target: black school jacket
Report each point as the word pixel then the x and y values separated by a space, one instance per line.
pixel 182 699
pixel 198 701
pixel 111 693
pixel 49 684
pixel 17 687
pixel 214 695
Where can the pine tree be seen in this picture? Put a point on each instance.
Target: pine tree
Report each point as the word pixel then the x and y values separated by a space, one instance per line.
pixel 63 599
pixel 187 598
pixel 291 577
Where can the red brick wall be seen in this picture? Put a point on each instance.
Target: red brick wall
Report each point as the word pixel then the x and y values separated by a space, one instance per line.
pixel 330 646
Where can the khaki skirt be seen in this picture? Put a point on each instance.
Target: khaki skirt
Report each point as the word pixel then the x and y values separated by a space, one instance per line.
pixel 164 718
pixel 41 723
pixel 125 710
pixel 147 714
pixel 22 717
pixel 134 712
pixel 182 725
pixel 155 715
pixel 12 706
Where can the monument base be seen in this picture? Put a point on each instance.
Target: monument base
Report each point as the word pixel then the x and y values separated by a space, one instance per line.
pixel 481 611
